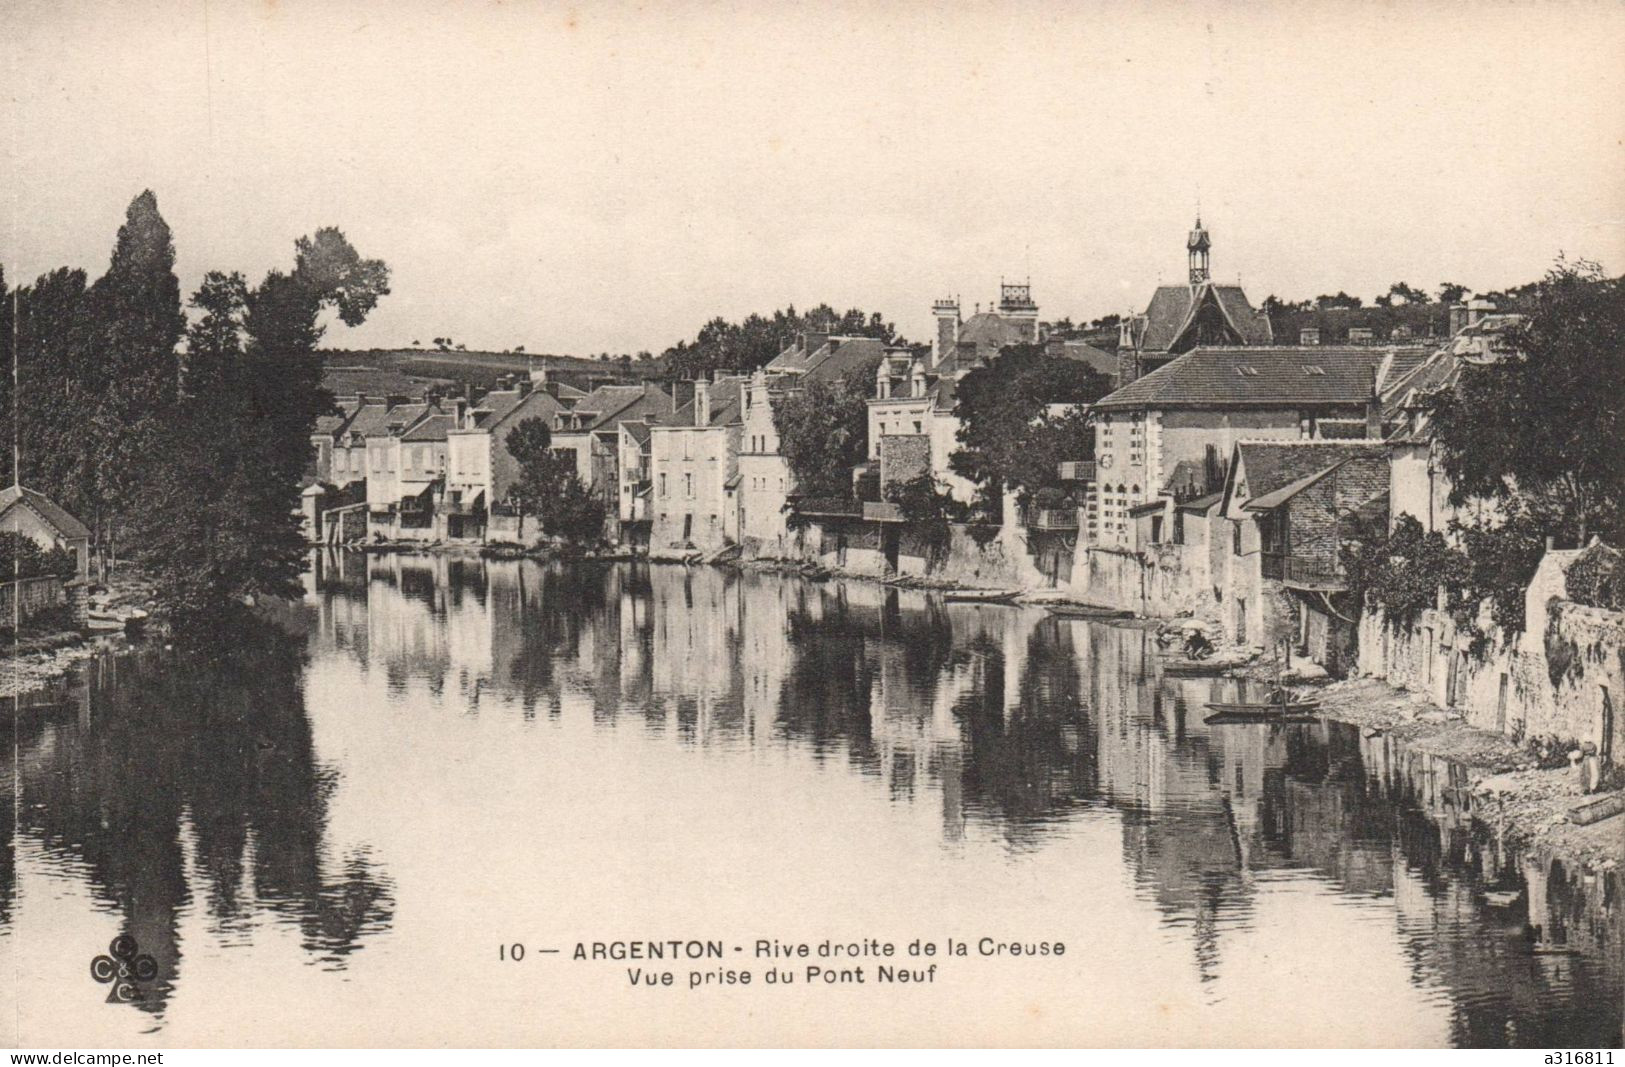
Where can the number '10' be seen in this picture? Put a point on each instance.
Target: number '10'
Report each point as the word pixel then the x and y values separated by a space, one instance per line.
pixel 514 952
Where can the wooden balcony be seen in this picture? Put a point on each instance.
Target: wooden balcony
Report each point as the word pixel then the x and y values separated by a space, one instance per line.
pixel 1082 470
pixel 1051 518
pixel 1302 572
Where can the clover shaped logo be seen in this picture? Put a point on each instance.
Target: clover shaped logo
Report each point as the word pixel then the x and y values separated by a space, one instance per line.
pixel 124 968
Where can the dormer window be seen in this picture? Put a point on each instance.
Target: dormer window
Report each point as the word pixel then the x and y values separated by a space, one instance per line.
pixel 1315 372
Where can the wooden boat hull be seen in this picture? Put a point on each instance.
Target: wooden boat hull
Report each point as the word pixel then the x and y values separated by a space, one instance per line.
pixel 1196 668
pixel 1232 718
pixel 979 596
pixel 1296 707
pixel 1085 611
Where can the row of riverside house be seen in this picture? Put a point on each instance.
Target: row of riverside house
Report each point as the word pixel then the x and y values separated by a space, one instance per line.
pixel 1228 467
pixel 437 468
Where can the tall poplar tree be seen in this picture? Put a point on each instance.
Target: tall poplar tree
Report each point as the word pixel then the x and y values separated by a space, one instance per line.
pixel 222 517
pixel 133 372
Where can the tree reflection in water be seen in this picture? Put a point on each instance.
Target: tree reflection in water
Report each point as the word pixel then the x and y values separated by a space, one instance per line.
pixel 215 744
pixel 1015 725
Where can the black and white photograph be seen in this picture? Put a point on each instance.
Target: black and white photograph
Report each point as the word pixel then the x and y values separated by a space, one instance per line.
pixel 759 524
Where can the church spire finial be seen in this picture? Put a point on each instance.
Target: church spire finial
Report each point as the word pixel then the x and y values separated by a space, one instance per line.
pixel 1196 247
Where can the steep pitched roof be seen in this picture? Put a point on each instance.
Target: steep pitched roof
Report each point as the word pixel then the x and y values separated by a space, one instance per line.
pixel 1234 376
pixel 842 355
pixel 629 403
pixel 432 428
pixel 1268 466
pixel 399 419
pixel 47 509
pixel 498 406
pixel 370 418
pixel 1173 307
pixel 725 404
pixel 992 332
pixel 1276 497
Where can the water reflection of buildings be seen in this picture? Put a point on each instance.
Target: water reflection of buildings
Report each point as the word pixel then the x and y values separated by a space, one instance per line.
pixel 988 721
pixel 170 783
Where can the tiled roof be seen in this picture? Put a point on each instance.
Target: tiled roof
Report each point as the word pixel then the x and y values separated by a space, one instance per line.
pixel 992 332
pixel 1236 376
pixel 498 405
pixel 1082 352
pixel 1172 307
pixel 834 363
pixel 1201 503
pixel 725 409
pixel 1271 465
pixel 614 404
pixel 725 394
pixel 48 509
pixel 1276 497
pixel 638 429
pixel 432 428
pixel 399 419
pixel 371 418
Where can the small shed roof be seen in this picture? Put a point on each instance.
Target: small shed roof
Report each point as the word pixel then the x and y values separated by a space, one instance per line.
pixel 49 510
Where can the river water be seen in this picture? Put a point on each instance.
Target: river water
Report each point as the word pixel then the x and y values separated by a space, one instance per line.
pixel 340 841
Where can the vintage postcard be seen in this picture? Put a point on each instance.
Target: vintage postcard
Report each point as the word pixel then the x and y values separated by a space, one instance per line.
pixel 763 524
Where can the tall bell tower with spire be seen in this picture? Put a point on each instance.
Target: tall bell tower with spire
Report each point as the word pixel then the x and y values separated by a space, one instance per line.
pixel 1197 246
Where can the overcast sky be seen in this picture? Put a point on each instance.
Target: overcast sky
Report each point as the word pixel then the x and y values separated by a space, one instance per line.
pixel 580 179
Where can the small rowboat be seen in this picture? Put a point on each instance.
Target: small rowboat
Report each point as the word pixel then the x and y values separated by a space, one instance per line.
pixel 1229 718
pixel 1068 610
pixel 1282 707
pixel 1196 668
pixel 981 596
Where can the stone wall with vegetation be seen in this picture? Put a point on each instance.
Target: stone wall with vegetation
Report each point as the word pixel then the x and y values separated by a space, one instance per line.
pixel 1560 680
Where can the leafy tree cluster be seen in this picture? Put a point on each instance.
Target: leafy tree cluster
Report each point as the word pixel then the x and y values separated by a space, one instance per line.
pixel 549 488
pixel 1007 434
pixel 96 368
pixel 1596 578
pixel 22 557
pixel 193 463
pixel 752 343
pixel 1544 433
pixel 252 394
pixel 1398 294
pixel 824 431
pixel 930 512
pixel 1401 573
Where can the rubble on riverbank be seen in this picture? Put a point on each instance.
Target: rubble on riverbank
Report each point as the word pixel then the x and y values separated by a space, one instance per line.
pixel 35 661
pixel 1512 794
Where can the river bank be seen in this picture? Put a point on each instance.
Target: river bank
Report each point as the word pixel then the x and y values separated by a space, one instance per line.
pixel 1509 791
pixel 35 661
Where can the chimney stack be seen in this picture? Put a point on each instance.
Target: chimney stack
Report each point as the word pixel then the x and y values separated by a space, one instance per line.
pixel 682 392
pixel 702 403
pixel 1373 411
pixel 947 314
